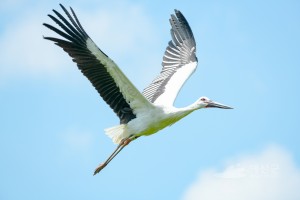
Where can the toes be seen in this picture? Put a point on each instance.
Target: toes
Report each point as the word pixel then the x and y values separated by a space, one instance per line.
pixel 99 168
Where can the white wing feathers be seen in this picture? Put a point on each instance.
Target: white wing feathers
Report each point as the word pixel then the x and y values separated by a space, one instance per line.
pixel 132 95
pixel 179 62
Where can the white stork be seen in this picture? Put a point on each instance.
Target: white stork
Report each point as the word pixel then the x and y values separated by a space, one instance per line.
pixel 141 114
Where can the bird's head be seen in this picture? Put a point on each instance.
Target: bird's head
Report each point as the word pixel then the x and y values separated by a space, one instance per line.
pixel 204 102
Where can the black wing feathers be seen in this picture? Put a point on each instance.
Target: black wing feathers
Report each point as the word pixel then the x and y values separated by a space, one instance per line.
pixel 75 45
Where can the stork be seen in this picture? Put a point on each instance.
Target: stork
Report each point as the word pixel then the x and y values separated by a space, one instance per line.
pixel 140 114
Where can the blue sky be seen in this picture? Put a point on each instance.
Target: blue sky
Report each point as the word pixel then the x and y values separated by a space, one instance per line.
pixel 52 119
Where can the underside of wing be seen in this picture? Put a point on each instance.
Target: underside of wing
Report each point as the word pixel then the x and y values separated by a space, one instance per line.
pixel 179 62
pixel 112 85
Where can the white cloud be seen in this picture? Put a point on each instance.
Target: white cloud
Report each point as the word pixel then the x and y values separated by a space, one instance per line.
pixel 120 31
pixel 24 52
pixel 10 4
pixel 75 144
pixel 75 141
pixel 270 174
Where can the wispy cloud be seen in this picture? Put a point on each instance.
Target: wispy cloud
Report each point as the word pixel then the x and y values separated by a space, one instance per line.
pixel 270 174
pixel 76 142
pixel 23 51
pixel 118 30
pixel 10 4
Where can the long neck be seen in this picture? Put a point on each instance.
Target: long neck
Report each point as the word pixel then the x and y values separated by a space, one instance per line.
pixel 175 114
pixel 194 106
pixel 188 109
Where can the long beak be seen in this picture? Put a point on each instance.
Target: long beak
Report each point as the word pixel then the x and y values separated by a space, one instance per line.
pixel 217 105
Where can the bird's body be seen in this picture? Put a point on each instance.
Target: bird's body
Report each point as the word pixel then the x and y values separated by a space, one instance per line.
pixel 140 114
pixel 148 122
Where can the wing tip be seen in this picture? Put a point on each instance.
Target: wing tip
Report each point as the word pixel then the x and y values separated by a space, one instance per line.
pixel 177 11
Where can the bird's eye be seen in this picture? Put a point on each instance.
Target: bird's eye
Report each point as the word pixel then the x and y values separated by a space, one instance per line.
pixel 203 99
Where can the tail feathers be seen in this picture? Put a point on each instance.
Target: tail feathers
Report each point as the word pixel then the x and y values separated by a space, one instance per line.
pixel 116 133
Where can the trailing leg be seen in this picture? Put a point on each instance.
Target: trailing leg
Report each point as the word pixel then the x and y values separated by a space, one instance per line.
pixel 119 148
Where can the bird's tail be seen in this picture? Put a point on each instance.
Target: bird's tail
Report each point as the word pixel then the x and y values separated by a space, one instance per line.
pixel 116 133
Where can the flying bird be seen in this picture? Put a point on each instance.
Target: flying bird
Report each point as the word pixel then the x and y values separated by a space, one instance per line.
pixel 140 114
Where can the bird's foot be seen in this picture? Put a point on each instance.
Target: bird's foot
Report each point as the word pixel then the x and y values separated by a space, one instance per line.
pixel 99 168
pixel 122 144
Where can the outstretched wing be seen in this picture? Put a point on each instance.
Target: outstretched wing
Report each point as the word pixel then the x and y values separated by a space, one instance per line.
pixel 113 86
pixel 179 62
